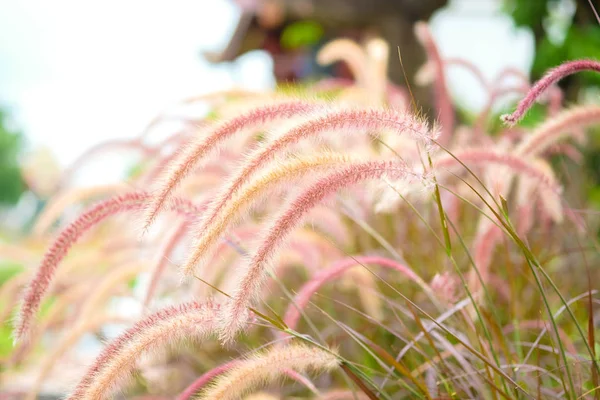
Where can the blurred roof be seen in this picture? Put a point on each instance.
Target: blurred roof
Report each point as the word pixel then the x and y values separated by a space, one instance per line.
pixel 262 16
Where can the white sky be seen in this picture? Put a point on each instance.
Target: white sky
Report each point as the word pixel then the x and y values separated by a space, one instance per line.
pixel 74 73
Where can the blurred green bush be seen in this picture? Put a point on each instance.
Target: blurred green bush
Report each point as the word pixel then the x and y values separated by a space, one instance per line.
pixel 11 181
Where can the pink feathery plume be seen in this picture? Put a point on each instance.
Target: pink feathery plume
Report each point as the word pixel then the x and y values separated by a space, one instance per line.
pixel 555 95
pixel 345 121
pixel 252 276
pixel 252 194
pixel 268 367
pixel 500 286
pixel 292 315
pixel 494 95
pixel 546 81
pixel 199 383
pixel 205 378
pixel 174 144
pixel 484 247
pixel 195 151
pixel 557 127
pixel 117 360
pixel 442 99
pixel 38 287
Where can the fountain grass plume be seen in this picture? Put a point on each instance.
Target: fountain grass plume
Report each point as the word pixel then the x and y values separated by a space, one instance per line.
pixel 40 283
pixel 283 173
pixel 193 152
pixel 378 52
pixel 344 121
pixel 472 68
pixel 57 205
pixel 268 367
pixel 197 385
pixel 251 277
pixel 553 76
pixel 191 320
pixel 110 145
pixel 557 128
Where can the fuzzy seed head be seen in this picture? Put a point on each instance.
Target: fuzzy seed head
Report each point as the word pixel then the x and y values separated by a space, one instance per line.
pixel 268 367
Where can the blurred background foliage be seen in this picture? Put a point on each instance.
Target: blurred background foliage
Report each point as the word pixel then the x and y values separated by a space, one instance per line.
pixel 11 182
pixel 562 30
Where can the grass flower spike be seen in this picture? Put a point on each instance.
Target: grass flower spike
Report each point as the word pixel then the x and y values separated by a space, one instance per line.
pixel 166 327
pixel 285 173
pixel 199 148
pixel 266 368
pixel 345 122
pixel 556 128
pixel 547 80
pixel 38 287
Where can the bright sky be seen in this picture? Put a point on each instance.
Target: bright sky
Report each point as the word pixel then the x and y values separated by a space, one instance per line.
pixel 75 73
pixel 476 31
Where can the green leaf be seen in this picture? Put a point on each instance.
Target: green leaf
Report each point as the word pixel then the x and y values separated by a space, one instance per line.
pixel 301 34
pixel 548 55
pixel 528 13
pixel 584 42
